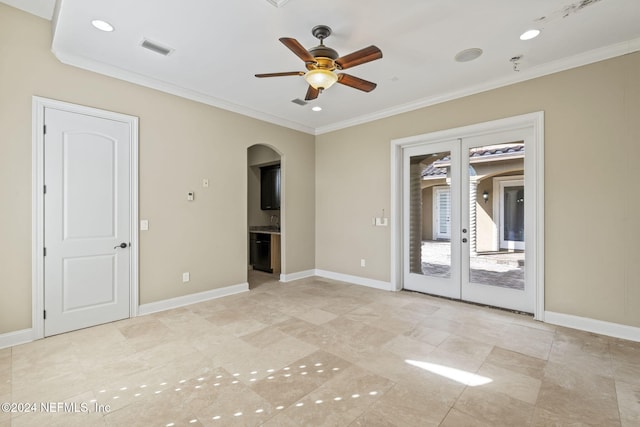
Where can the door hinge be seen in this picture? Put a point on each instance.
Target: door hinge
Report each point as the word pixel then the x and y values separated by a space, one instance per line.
pixel 45 251
pixel 44 129
pixel 45 189
pixel 44 313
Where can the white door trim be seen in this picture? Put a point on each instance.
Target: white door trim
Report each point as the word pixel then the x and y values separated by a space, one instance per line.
pixel 37 206
pixel 535 160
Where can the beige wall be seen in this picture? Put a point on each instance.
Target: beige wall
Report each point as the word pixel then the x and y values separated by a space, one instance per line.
pixel 181 142
pixel 592 150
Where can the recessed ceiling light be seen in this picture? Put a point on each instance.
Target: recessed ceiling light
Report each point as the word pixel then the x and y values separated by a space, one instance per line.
pixel 529 34
pixel 102 25
pixel 468 54
pixel 317 108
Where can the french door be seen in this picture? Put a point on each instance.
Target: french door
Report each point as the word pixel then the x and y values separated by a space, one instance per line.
pixel 475 190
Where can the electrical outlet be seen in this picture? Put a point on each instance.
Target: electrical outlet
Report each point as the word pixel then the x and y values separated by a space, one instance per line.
pixel 185 277
pixel 205 183
pixel 363 263
pixel 144 224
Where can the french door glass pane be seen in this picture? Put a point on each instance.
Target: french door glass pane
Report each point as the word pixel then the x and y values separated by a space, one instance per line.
pixel 496 227
pixel 430 215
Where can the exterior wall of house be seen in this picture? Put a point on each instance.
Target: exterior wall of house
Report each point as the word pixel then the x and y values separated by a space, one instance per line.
pixel 486 223
pixel 427 206
pixel 181 142
pixel 427 213
pixel 590 270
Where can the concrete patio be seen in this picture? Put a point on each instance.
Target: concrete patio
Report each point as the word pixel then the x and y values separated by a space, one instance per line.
pixel 504 269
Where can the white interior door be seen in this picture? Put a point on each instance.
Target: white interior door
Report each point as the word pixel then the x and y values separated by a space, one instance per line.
pixel 87 212
pixel 466 266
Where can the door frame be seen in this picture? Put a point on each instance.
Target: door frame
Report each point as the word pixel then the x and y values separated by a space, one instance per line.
pixel 39 104
pixel 534 162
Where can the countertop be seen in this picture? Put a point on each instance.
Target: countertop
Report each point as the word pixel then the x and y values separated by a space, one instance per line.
pixel 265 229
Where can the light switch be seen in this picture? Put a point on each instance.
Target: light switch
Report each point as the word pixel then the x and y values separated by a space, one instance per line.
pixel 144 224
pixel 205 183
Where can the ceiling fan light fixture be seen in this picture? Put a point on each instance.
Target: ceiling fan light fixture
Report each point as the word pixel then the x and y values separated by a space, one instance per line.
pixel 320 79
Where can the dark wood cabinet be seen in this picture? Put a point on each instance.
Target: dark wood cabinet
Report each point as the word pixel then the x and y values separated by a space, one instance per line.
pixel 270 187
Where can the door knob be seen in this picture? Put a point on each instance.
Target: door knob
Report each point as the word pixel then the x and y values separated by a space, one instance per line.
pixel 122 245
pixel 464 240
pixel 464 230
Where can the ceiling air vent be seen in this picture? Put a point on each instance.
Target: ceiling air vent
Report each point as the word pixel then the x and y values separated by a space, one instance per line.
pixel 155 47
pixel 299 101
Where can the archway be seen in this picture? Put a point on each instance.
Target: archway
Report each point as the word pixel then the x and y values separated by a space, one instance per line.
pixel 265 214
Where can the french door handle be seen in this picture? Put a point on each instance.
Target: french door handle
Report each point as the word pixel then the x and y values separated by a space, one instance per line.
pixel 122 245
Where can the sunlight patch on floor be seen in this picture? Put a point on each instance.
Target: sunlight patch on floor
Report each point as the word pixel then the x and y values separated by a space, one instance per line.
pixel 458 375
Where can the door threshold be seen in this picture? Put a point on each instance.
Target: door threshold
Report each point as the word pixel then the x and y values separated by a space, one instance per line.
pixel 477 304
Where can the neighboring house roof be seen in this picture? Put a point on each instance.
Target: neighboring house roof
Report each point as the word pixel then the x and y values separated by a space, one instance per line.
pixel 438 169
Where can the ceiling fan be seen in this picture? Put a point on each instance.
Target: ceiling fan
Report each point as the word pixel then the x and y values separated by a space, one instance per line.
pixel 322 61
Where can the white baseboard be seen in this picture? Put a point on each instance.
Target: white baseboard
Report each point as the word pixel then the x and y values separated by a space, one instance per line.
pixel 356 280
pixel 297 276
pixel 592 325
pixel 11 339
pixel 171 303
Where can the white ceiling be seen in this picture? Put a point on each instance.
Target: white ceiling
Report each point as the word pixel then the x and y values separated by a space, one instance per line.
pixel 219 46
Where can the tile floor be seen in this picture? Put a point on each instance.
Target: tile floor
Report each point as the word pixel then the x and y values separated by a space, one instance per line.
pixel 317 352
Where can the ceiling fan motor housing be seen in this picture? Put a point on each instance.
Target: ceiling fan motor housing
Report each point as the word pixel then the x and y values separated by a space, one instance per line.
pixel 322 51
pixel 324 55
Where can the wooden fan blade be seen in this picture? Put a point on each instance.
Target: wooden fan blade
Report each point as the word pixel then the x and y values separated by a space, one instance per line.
pixel 298 49
pixel 356 82
pixel 361 56
pixel 312 93
pixel 286 73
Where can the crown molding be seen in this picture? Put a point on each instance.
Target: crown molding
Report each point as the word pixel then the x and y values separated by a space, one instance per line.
pixel 564 64
pixel 141 80
pixel 41 8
